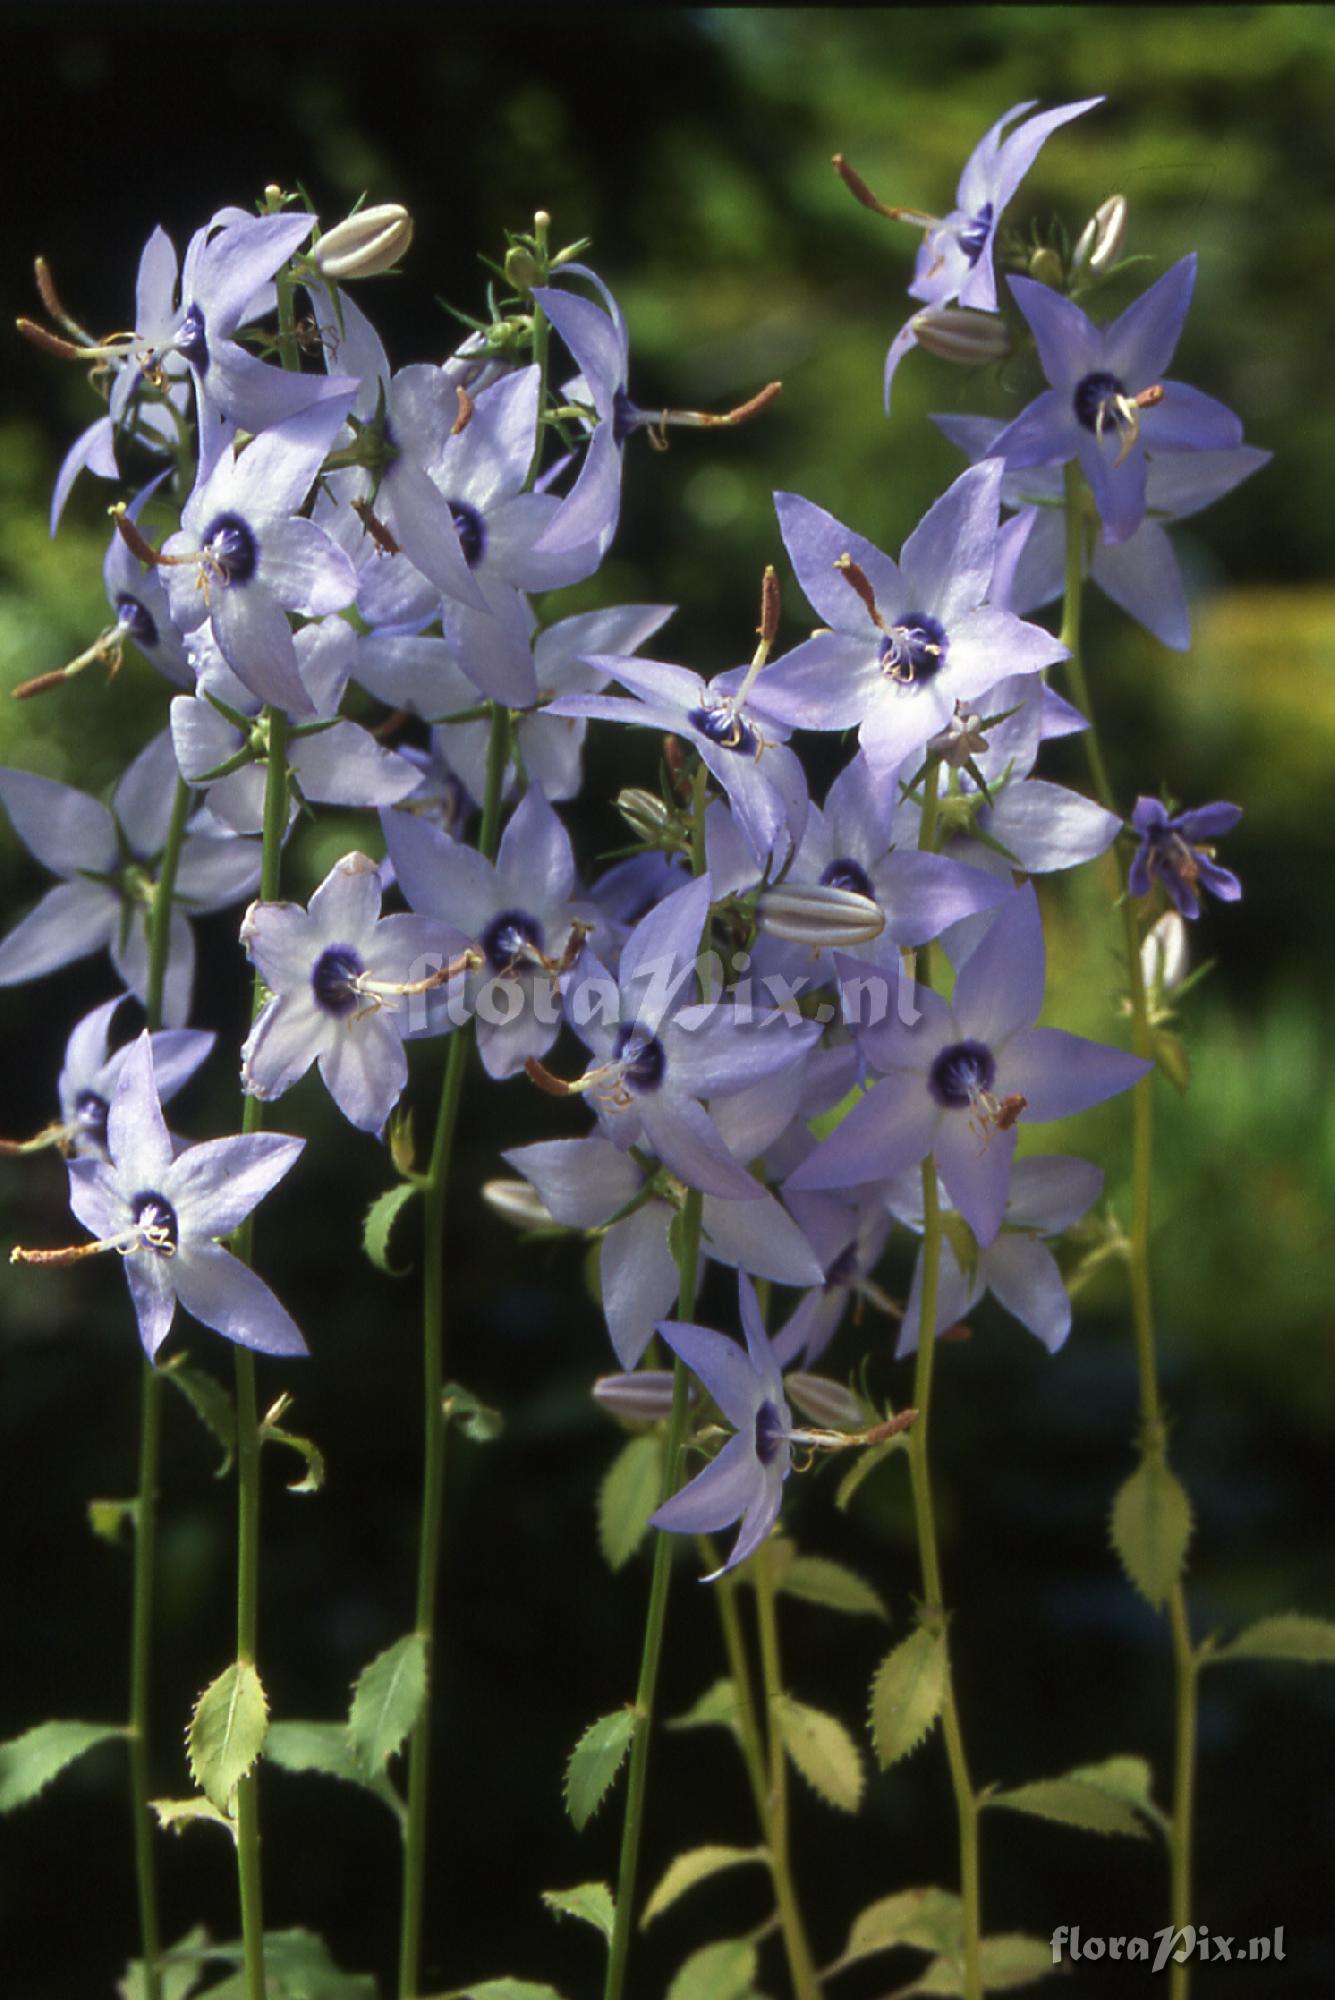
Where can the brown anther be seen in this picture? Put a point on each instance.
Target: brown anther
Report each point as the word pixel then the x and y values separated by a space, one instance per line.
pixel 856 580
pixel 579 930
pixel 50 343
pixel 24 692
pixel 465 415
pixel 767 629
pixel 137 543
pixel 46 291
pixel 1147 398
pixel 856 186
pixel 745 411
pixel 1009 1110
pixel 376 528
pixel 74 1254
pixel 890 1428
pixel 674 756
pixel 959 1332
pixel 551 1085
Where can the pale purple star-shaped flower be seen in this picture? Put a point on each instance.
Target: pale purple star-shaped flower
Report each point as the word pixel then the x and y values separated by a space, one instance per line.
pixel 165 1211
pixel 339 974
pixel 91 1071
pixel 848 1235
pixel 1174 850
pixel 905 642
pixel 956 1083
pixel 1109 404
pixel 143 611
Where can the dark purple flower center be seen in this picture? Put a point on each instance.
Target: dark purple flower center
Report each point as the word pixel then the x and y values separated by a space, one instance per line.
pixel 722 725
pixel 845 873
pixel 192 340
pixel 1095 401
pixel 641 1055
pixel 472 531
pixel 334 977
pixel 505 937
pixel 231 548
pixel 973 237
pixel 844 1269
pixel 137 619
pixel 961 1073
pixel 770 1432
pixel 914 650
pixel 626 417
pixel 155 1216
pixel 90 1115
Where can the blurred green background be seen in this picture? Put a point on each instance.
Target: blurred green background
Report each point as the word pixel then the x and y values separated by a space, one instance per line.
pixel 693 146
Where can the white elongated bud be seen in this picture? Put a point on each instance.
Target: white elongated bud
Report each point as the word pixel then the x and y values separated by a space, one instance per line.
pixel 1163 955
pixel 953 333
pixel 825 1401
pixel 644 812
pixel 364 244
pixel 518 1203
pixel 1100 241
pixel 819 914
pixel 642 1398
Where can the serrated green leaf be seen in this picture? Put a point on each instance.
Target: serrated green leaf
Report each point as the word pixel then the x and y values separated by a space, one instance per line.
pixel 109 1518
pixel 817 1580
pixel 724 1971
pixel 1289 1635
pixel 478 1421
pixel 297 1966
pixel 175 1981
pixel 1126 1778
pixel 226 1732
pixel 387 1699
pixel 380 1219
pixel 906 1694
pixel 864 1464
pixel 627 1496
pixel 594 1763
pixel 1072 1803
pixel 696 1865
pixel 929 1919
pixel 822 1750
pixel 174 1815
pixel 1151 1527
pixel 29 1762
pixel 591 1902
pixel 1007 1961
pixel 326 1748
pixel 210 1403
pixel 313 1478
pixel 718 1704
pixel 503 1989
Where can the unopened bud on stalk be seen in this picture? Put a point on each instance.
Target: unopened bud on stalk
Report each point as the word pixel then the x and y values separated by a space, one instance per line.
pixel 642 1398
pixel 953 333
pixel 819 914
pixel 364 244
pixel 522 268
pixel 824 1401
pixel 1101 239
pixel 644 812
pixel 518 1203
pixel 1045 266
pixel 1163 955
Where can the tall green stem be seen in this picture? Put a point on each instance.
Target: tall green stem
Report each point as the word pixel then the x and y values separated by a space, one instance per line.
pixel 1153 1439
pixel 802 1972
pixel 434 1195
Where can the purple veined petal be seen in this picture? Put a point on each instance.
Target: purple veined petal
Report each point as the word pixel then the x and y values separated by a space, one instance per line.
pixel 562 653
pixel 67 831
pixel 513 530
pixel 129 956
pixel 216 871
pixel 758 1519
pixel 1013 538
pixel 815 541
pixel 901 719
pixel 988 638
pixel 597 344
pixel 344 909
pixel 589 513
pixel 487 462
pixel 354 348
pixel 687 1141
pixel 894 1126
pixel 1050 1191
pixel 143 800
pixel 228 266
pixel 551 747
pixel 1118 489
pixel 94 450
pixel 416 673
pixel 1181 484
pixel 345 766
pixel 282 1045
pixel 1138 875
pixel 1222 883
pixel 177 1054
pixel 535 861
pixel 657 681
pixel 137 1136
pixel 493 645
pixel 581 1181
pixel 305 570
pixel 956 1294
pixel 155 284
pixel 616 708
pixel 255 639
pixel 978 176
pixel 975 1171
pixel 660 952
pixel 908 1038
pixel 1011 162
pixel 751 1120
pixel 860 811
pixel 758 806
pixel 151 1279
pixel 760 1237
pixel 1023 1274
pixel 96 1199
pixel 1069 345
pixel 365 1069
pixel 1142 578
pixel 811 1327
pixel 947 560
pixel 423 408
pixel 326 655
pixel 240 392
pixel 392 593
pixel 1046 432
pixel 213 1186
pixel 518 1017
pixel 924 893
pixel 224 1294
pixel 201 738
pixel 1060 1073
pixel 1189 420
pixel 1047 827
pixel 1139 344
pixel 1210 822
pixel 715 1049
pixel 826 682
pixel 905 339
pixel 592 1004
pixel 88 1046
pixel 639 1279
pixel 424 526
pixel 725 1368
pixel 438 876
pixel 1149 815
pixel 1000 988
pixel 724 1490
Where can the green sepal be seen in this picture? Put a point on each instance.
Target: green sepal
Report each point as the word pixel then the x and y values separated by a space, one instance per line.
pixel 1289 1635
pixel 927 1919
pixel 594 1763
pixel 696 1865
pixel 477 1420
pixel 271 1433
pixel 29 1762
pixel 1006 1961
pixel 402 1146
pixel 108 1520
pixel 326 1747
pixel 818 1580
pixel 174 1815
pixel 591 1902
pixel 380 1219
pixel 718 1704
pixel 627 1496
pixel 725 1971
pixel 387 1698
pixel 907 1693
pixel 822 1750
pixel 226 1732
pixel 1150 1527
pixel 210 1403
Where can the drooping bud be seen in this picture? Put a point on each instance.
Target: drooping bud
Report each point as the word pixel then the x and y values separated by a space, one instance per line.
pixel 1101 239
pixel 1163 955
pixel 825 1401
pixel 1045 266
pixel 642 1398
pixel 969 339
pixel 364 244
pixel 818 914
pixel 518 1203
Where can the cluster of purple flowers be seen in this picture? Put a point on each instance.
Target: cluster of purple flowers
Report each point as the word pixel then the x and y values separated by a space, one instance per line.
pixel 354 526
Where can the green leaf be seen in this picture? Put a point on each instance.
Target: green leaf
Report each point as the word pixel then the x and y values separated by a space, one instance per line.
pixel 1290 1635
pixel 724 1971
pixel 627 1497
pixel 313 1478
pixel 210 1403
pixel 1170 1053
pixel 822 1750
pixel 297 1966
pixel 591 1902
pixel 504 1989
pixel 476 1420
pixel 1151 1526
pixel 386 1702
pixel 906 1694
pixel 108 1519
pixel 1126 1778
pixel 380 1219
pixel 696 1865
pixel 929 1919
pixel 1008 1961
pixel 226 1732
pixel 326 1747
pixel 174 1815
pixel 29 1762
pixel 817 1580
pixel 175 1981
pixel 1074 1803
pixel 594 1763
pixel 718 1704
pixel 866 1462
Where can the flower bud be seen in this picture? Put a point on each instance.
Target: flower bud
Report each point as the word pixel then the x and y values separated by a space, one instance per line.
pixel 522 268
pixel 518 1203
pixel 819 914
pixel 1163 955
pixel 364 244
pixel 1045 266
pixel 825 1401
pixel 642 1398
pixel 1101 239
pixel 953 333
pixel 645 813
